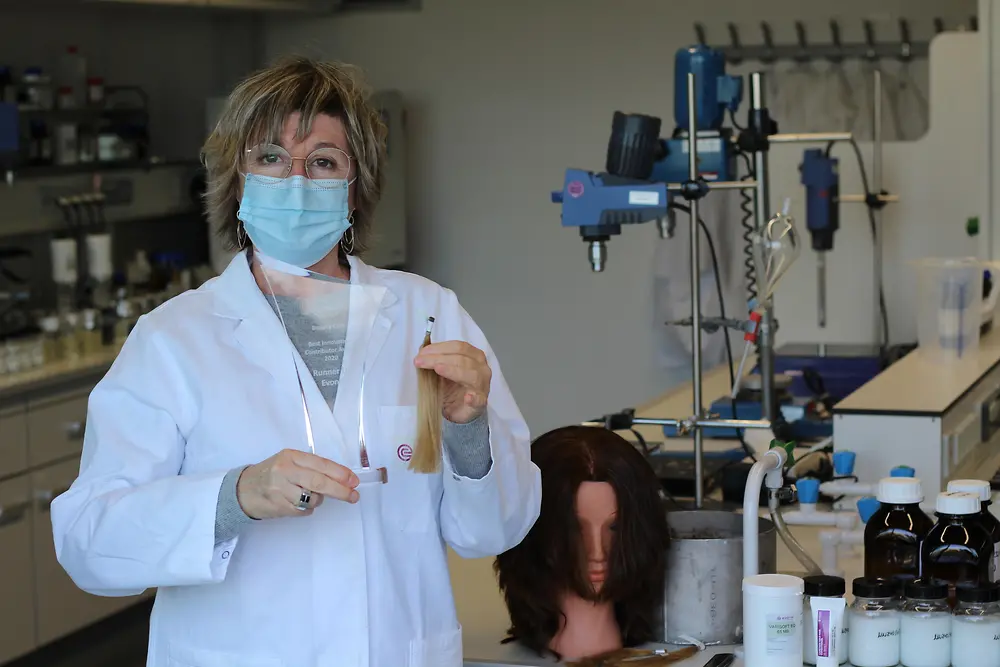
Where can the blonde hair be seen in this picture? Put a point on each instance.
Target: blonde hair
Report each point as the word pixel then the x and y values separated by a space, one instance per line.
pixel 426 457
pixel 256 111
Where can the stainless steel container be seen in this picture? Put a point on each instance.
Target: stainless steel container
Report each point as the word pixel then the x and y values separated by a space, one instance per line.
pixel 704 586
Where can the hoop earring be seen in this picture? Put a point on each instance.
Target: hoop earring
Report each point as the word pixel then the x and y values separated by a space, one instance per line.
pixel 241 236
pixel 343 243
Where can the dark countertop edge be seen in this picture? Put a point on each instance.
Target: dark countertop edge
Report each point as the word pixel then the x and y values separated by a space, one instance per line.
pixel 38 388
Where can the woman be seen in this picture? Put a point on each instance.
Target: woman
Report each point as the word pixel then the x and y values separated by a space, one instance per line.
pixel 199 476
pixel 588 579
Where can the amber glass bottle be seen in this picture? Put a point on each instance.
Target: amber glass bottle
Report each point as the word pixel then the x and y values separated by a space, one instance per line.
pixel 894 532
pixel 957 551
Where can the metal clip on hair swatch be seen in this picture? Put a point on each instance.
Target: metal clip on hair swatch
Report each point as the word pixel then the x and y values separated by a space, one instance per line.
pixel 427 452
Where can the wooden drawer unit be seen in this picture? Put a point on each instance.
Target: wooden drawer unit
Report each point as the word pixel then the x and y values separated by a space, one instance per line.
pixel 17 601
pixel 13 441
pixel 56 426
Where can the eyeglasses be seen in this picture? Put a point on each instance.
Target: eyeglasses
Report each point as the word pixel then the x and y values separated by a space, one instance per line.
pixel 323 164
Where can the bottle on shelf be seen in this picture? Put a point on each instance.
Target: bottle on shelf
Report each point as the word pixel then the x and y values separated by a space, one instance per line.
pixel 72 74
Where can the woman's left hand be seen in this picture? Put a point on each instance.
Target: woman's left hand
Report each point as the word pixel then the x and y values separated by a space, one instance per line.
pixel 465 378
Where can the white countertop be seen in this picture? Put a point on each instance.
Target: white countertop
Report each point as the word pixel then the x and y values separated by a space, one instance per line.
pixel 918 385
pixel 13 384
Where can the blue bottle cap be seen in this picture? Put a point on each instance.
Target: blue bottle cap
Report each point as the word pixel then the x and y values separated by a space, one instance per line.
pixel 867 506
pixel 843 463
pixel 808 489
pixel 902 471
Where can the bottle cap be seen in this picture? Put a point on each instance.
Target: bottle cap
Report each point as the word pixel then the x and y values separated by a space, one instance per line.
pixel 976 487
pixel 957 503
pixel 867 506
pixel 981 593
pixel 925 590
pixel 773 585
pixel 822 585
pixel 843 463
pixel 873 588
pixel 900 491
pixel 808 490
pixel 902 471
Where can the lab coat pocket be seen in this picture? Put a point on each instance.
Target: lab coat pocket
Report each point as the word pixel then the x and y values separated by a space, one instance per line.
pixel 441 650
pixel 409 499
pixel 190 656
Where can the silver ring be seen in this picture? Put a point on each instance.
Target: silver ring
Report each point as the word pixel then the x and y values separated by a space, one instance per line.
pixel 304 499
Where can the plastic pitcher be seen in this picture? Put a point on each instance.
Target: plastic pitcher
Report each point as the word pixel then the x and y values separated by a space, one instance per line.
pixel 949 307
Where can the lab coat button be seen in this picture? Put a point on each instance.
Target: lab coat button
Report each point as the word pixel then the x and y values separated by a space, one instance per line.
pixel 225 555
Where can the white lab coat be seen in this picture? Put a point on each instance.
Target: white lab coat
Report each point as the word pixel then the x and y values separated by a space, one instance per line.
pixel 204 384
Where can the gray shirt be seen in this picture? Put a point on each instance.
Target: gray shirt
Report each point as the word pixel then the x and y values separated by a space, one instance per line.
pixel 320 343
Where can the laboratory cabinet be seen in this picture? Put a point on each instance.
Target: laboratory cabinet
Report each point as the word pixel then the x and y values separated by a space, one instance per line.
pixel 41 438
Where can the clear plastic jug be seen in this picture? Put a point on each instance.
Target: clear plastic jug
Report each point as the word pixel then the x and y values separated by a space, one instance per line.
pixel 949 307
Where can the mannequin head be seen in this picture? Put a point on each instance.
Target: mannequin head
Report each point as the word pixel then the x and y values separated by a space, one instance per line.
pixel 601 538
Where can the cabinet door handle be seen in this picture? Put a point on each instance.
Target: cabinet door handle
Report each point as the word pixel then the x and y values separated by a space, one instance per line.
pixel 11 514
pixel 45 498
pixel 75 430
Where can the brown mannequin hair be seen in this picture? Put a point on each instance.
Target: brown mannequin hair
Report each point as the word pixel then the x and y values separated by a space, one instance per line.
pixel 551 560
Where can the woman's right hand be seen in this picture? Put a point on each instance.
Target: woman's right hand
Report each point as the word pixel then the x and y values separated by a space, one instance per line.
pixel 273 488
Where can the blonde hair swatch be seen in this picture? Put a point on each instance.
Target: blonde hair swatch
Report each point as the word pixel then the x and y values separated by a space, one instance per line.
pixel 427 452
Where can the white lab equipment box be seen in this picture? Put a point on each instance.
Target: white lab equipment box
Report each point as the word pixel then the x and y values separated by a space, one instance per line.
pixel 941 420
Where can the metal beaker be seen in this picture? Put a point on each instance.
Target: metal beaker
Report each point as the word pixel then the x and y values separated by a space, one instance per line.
pixel 704 587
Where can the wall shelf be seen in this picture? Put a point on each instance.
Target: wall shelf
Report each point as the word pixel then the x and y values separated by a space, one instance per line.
pixel 31 172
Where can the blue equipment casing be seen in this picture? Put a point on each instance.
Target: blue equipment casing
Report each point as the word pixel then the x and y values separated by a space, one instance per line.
pixel 843 369
pixel 595 201
pixel 716 91
pixel 822 182
pixel 716 158
pixel 599 203
pixel 9 128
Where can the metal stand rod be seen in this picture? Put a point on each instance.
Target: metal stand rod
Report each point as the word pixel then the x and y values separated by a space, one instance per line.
pixel 699 490
pixel 705 423
pixel 718 185
pixel 821 289
pixel 809 137
pixel 762 209
pixel 861 199
pixel 877 187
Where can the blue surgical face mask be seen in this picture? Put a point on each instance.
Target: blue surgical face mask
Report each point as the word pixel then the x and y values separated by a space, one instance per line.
pixel 295 220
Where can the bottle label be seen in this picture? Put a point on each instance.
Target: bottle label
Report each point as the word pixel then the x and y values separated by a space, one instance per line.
pixel 995 563
pixel 782 634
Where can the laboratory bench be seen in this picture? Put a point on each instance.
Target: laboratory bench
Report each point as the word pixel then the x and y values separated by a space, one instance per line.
pixel 43 413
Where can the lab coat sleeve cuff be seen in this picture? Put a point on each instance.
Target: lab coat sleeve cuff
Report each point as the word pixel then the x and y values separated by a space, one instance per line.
pixel 468 447
pixel 229 515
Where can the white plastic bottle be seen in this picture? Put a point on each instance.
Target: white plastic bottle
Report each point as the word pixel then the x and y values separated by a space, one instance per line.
pixel 874 621
pixel 772 620
pixel 72 72
pixel 975 627
pixel 925 625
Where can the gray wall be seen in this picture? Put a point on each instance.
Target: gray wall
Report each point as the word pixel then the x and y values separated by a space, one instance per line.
pixel 501 98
